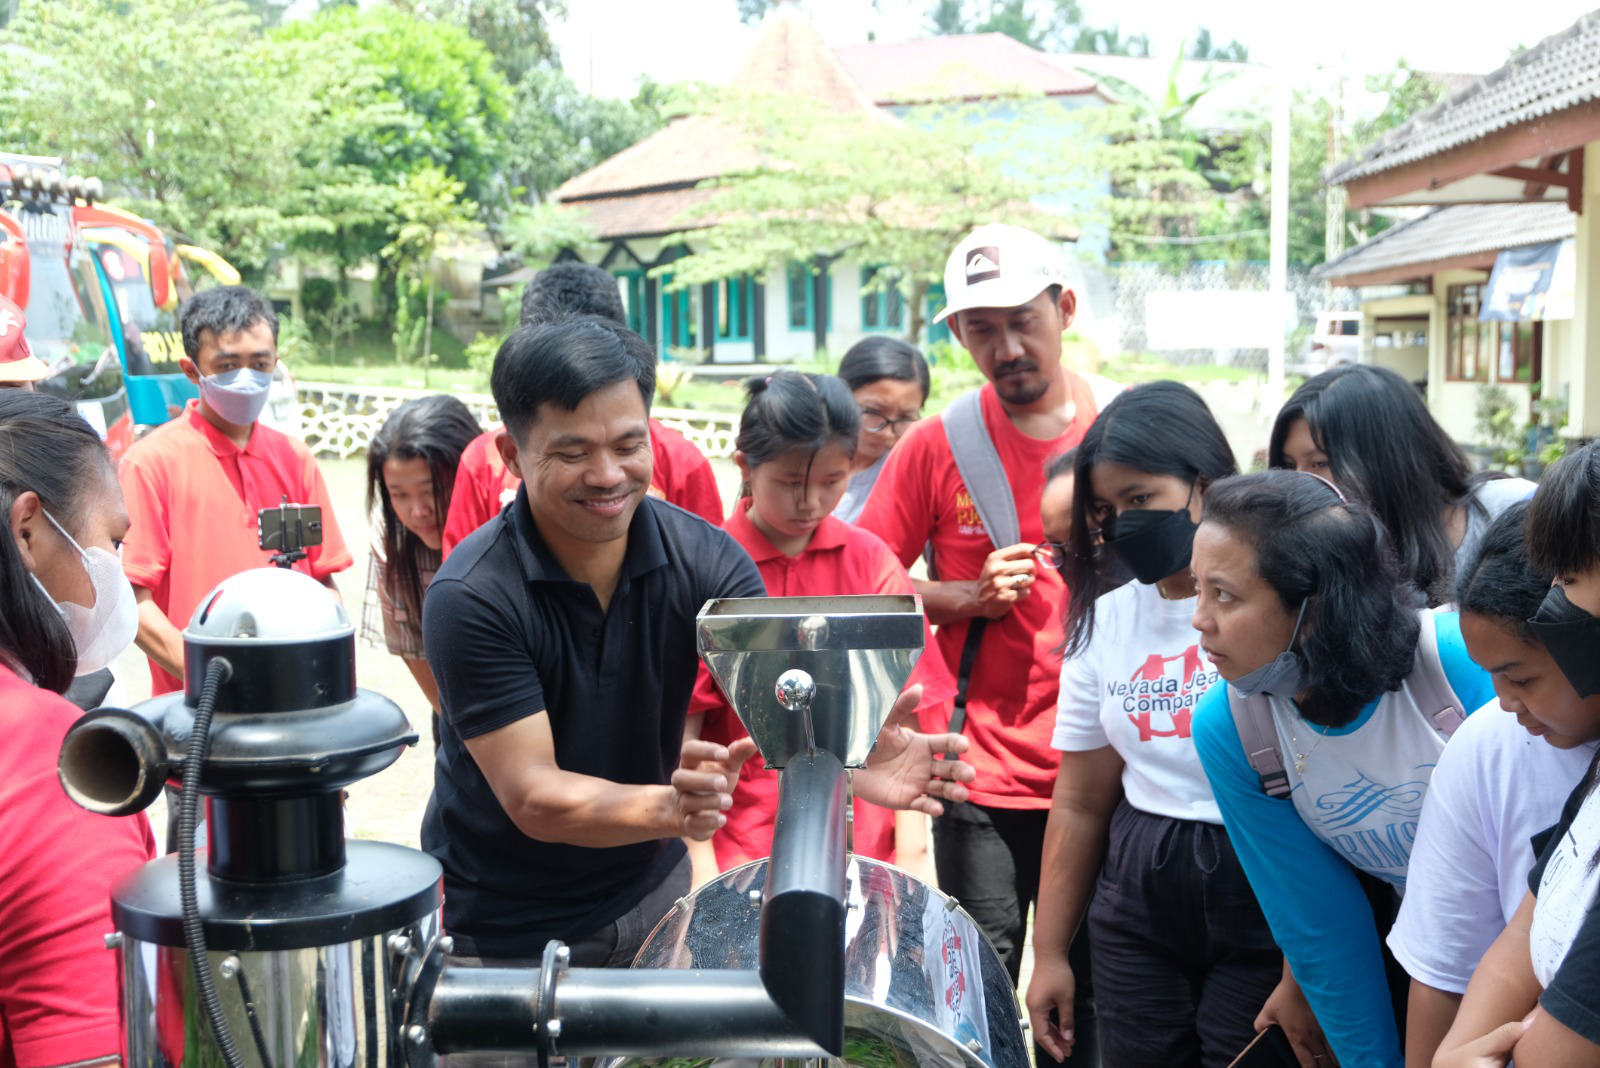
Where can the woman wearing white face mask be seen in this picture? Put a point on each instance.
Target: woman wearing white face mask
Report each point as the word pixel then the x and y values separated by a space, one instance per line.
pixel 64 607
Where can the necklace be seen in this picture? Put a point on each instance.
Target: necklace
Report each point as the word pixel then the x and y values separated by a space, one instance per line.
pixel 1299 757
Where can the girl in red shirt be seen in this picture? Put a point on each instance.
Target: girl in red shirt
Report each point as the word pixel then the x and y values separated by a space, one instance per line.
pixel 65 609
pixel 796 440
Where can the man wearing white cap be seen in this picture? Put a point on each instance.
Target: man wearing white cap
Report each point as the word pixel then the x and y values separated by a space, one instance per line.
pixel 998 609
pixel 18 365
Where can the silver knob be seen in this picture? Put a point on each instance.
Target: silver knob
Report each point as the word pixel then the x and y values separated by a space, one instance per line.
pixel 795 690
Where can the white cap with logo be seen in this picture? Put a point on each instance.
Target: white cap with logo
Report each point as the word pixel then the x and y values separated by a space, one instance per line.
pixel 999 266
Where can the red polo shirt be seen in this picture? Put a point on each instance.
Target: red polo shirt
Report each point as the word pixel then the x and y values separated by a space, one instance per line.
pixel 1011 697
pixel 841 559
pixel 193 496
pixel 681 474
pixel 58 862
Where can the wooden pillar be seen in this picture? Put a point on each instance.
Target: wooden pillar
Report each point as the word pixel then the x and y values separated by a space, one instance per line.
pixel 708 320
pixel 821 288
pixel 758 321
pixel 1583 359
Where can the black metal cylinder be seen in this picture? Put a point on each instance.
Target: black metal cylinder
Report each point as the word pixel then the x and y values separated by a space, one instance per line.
pixel 255 839
pixel 483 1009
pixel 802 916
pixel 270 676
pixel 615 1012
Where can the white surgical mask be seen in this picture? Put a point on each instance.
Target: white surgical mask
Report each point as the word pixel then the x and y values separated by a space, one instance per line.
pixel 237 396
pixel 102 632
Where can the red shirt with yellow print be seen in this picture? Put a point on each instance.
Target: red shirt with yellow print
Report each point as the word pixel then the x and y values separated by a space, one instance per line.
pixel 483 486
pixel 1011 696
pixel 840 559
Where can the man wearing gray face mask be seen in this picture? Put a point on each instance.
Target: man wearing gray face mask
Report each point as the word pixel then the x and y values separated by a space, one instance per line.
pixel 194 486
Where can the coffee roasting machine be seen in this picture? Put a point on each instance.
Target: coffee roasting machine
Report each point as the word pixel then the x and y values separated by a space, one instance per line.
pixel 283 944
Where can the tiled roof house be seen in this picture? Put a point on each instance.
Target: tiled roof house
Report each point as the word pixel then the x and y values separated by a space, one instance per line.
pixel 649 191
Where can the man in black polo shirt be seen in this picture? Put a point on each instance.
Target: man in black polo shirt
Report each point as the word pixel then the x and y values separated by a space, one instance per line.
pixel 562 637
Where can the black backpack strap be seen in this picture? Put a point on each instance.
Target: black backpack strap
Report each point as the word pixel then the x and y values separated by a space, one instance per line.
pixel 969 657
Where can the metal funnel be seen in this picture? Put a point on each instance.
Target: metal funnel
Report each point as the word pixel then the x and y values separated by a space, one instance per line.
pixel 857 651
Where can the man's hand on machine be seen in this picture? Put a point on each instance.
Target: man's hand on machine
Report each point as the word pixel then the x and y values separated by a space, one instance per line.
pixel 905 771
pixel 702 787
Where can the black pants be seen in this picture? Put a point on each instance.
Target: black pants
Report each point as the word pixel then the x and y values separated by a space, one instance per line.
pixel 988 860
pixel 1183 957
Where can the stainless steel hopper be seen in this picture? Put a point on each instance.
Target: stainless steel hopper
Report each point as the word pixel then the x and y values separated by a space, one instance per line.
pixel 857 651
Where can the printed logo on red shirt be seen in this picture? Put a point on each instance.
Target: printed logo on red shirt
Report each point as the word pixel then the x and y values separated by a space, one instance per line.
pixel 1159 700
pixel 967 520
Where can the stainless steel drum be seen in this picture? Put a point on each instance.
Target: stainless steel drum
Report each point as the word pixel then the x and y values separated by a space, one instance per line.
pixel 326 1006
pixel 923 986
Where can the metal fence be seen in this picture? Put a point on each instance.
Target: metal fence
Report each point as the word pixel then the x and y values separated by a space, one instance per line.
pixel 1131 282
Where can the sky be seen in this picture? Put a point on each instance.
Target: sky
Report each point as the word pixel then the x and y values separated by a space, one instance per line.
pixel 607 45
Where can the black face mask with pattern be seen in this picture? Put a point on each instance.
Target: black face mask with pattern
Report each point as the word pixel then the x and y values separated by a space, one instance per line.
pixel 1573 638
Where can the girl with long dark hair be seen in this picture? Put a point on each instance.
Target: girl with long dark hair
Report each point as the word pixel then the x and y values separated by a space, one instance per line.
pixel 65 608
pixel 1502 779
pixel 1180 953
pixel 1347 691
pixel 1535 997
pixel 795 440
pixel 1367 430
pixel 889 380
pixel 411 472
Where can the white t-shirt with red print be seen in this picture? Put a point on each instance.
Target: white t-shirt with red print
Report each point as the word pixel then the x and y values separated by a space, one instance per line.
pixel 1134 687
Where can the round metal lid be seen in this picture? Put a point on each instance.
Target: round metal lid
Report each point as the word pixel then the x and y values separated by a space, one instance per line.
pixel 268 605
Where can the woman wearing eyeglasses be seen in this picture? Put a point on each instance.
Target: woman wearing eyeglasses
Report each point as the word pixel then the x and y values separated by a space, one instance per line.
pixel 889 379
pixel 1182 957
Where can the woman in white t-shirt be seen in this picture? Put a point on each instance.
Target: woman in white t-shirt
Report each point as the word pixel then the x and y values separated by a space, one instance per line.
pixel 1368 431
pixel 1181 955
pixel 1535 997
pixel 1497 784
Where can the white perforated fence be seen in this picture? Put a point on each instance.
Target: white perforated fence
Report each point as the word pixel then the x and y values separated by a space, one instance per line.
pixel 339 420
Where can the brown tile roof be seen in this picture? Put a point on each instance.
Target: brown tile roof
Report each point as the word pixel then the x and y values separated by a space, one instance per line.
pixel 963 67
pixel 1556 74
pixel 1451 233
pixel 644 214
pixel 787 58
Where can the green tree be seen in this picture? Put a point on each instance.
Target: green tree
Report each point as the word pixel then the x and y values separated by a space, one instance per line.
pixel 1055 25
pixel 129 90
pixel 1204 47
pixel 872 189
pixel 556 131
pixel 456 101
pixel 395 95
pixel 270 12
pixel 1165 176
pixel 1405 92
pixel 433 212
pixel 516 32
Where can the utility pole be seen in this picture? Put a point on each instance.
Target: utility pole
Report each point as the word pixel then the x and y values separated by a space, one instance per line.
pixel 1278 231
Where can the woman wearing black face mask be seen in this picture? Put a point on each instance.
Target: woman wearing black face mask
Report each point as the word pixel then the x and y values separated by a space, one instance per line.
pixel 1181 955
pixel 1535 996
